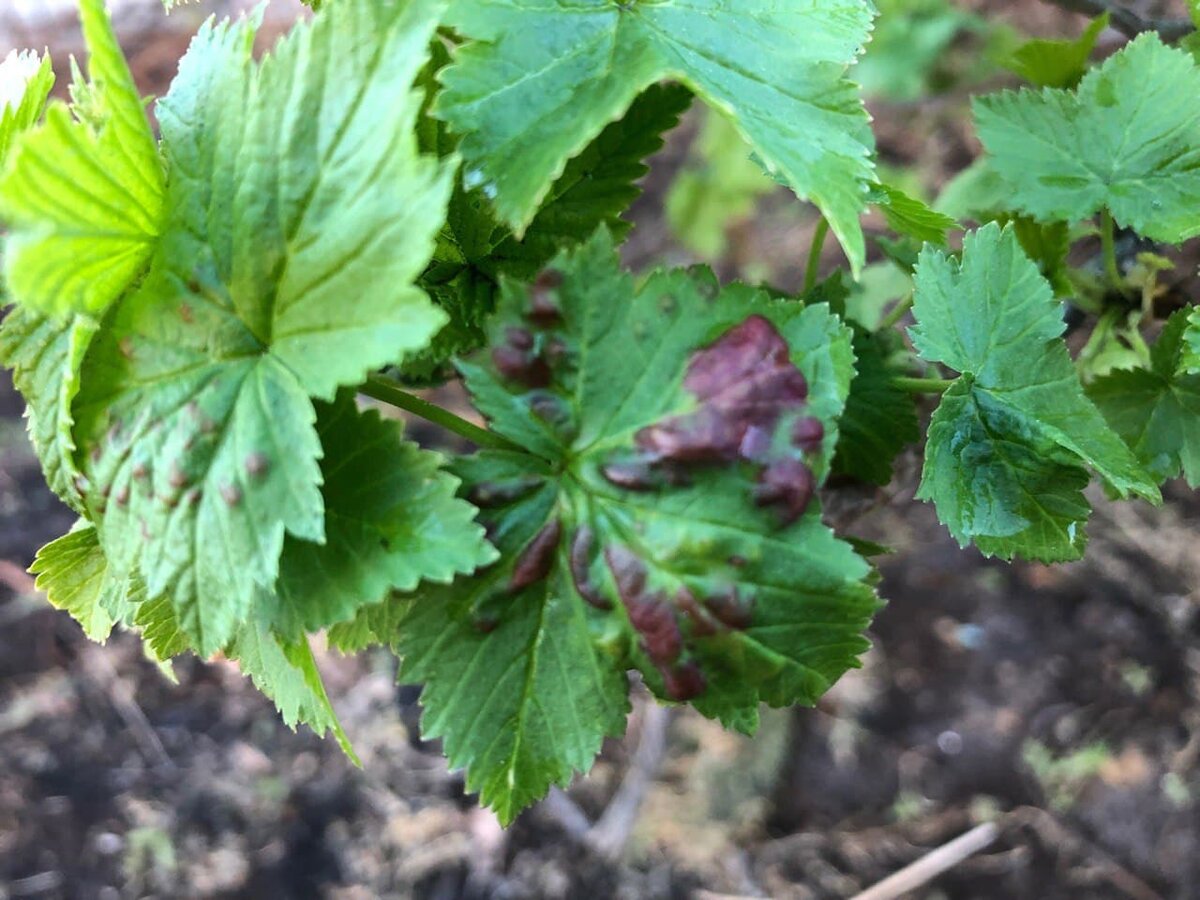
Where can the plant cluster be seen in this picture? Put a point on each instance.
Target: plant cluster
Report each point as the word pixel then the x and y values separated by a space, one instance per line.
pixel 402 192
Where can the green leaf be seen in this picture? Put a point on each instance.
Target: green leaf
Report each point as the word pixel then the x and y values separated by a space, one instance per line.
pixel 286 672
pixel 880 419
pixel 391 521
pixel 46 358
pixel 521 703
pixel 1057 64
pixel 1007 449
pixel 1156 410
pixel 1128 140
pixel 83 199
pixel 909 216
pixel 76 576
pixel 285 199
pixel 540 80
pixel 25 83
pixel 664 520
pixel 72 571
pixel 720 185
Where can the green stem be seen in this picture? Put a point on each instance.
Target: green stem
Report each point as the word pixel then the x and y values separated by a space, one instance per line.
pixel 923 385
pixel 813 269
pixel 384 389
pixel 897 312
pixel 1109 245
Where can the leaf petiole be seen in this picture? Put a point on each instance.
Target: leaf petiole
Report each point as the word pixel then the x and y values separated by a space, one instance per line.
pixel 897 312
pixel 384 389
pixel 1108 245
pixel 813 269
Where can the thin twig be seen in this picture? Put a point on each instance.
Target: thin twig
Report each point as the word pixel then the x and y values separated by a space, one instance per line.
pixel 932 864
pixel 612 830
pixel 127 708
pixel 1126 20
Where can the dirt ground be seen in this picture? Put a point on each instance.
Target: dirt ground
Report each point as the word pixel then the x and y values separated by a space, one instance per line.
pixel 1061 704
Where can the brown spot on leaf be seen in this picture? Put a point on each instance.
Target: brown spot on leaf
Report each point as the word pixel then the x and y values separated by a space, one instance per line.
pixel 649 614
pixel 730 609
pixel 632 475
pixel 140 471
pixel 701 622
pixel 125 345
pixel 549 408
pixel 807 434
pixel 519 338
pixel 186 314
pixel 521 366
pixel 231 494
pixel 543 311
pixel 537 558
pixel 122 497
pixel 490 494
pixel 582 545
pixel 485 624
pixel 257 464
pixel 787 484
pixel 743 380
pixel 178 478
pixel 684 682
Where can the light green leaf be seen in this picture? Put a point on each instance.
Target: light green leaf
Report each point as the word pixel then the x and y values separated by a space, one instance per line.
pixel 25 83
pixel 72 572
pixel 1016 423
pixel 1128 140
pixel 541 79
pixel 391 521
pixel 720 185
pixel 76 576
pixel 83 200
pixel 660 523
pixel 1156 410
pixel 286 197
pixel 1057 64
pixel 910 45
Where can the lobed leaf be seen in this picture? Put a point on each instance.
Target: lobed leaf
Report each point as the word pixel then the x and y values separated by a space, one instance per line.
pixel 293 185
pixel 539 80
pixel 391 521
pixel 83 197
pixel 662 519
pixel 1128 139
pixel 1007 448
